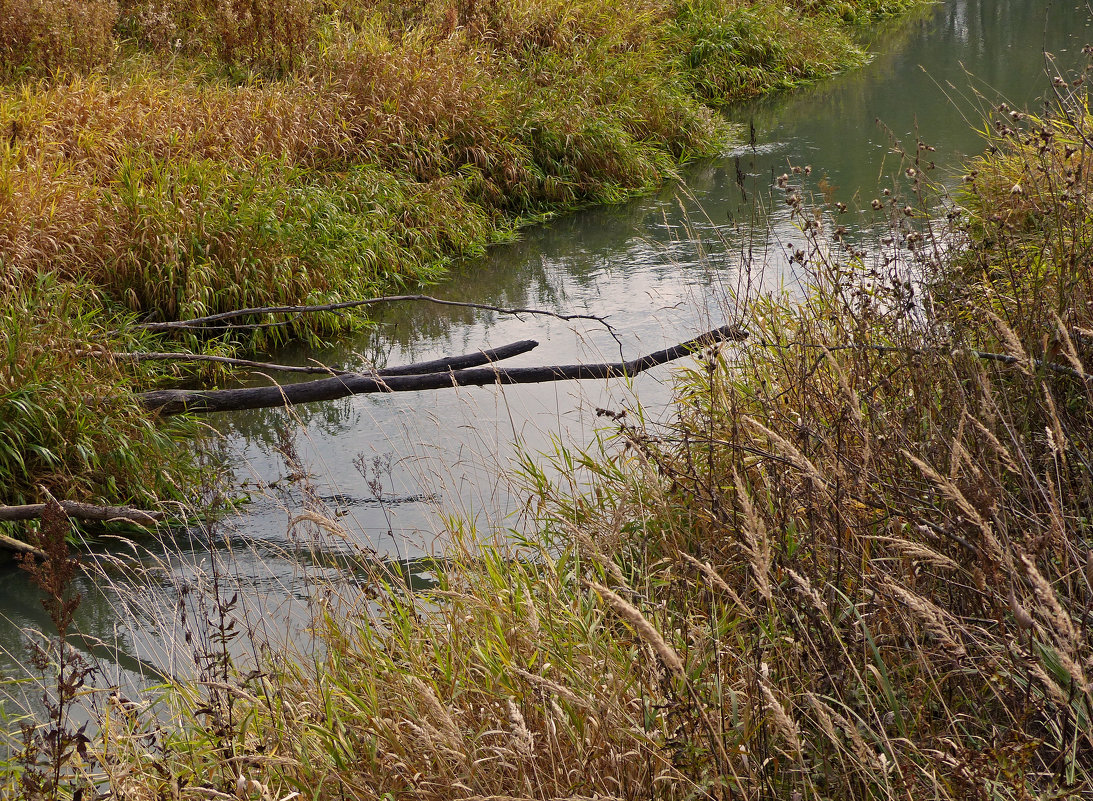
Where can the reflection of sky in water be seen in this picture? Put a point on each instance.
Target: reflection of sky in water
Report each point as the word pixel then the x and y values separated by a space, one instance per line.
pixel 661 268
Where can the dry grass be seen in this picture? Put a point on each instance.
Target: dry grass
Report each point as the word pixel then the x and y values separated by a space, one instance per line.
pixel 51 36
pixel 508 111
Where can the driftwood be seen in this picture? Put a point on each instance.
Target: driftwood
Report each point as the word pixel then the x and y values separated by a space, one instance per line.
pixel 83 511
pixel 80 511
pixel 461 362
pixel 18 547
pixel 175 401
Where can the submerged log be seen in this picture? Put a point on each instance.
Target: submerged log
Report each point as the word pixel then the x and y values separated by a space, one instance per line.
pixel 176 401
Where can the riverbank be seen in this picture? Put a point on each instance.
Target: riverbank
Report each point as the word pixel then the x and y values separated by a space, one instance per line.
pixel 161 163
pixel 855 563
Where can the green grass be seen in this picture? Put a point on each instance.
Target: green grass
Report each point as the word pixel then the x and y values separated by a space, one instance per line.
pixel 68 415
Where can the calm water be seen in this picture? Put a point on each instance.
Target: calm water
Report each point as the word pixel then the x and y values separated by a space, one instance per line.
pixel 660 269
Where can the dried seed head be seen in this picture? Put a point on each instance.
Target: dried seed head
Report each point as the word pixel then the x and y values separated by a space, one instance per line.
pixel 785 725
pixel 1020 615
pixel 522 739
pixel 646 630
pixel 713 577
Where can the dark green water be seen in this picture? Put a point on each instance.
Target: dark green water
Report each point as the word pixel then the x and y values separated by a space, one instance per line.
pixel 660 269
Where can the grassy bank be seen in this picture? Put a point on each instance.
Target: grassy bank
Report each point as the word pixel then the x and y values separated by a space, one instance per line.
pixel 856 564
pixel 175 159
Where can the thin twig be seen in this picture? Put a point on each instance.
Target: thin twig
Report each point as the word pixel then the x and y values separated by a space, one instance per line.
pixel 213 322
pixel 159 356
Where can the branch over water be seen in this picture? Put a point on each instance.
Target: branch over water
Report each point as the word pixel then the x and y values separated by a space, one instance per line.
pixel 176 401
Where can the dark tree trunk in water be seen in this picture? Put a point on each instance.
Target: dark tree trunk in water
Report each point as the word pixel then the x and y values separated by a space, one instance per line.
pixel 442 374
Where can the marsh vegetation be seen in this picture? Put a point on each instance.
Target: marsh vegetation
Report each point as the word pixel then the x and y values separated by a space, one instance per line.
pixel 169 160
pixel 853 561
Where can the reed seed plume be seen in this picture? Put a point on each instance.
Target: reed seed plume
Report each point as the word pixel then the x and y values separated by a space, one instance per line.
pixel 646 630
pixel 755 537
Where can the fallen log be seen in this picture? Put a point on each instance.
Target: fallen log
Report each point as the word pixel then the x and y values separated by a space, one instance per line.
pixel 176 401
pixel 83 511
pixel 18 547
pixel 462 362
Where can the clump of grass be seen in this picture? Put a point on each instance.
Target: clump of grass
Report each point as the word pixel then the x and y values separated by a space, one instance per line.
pixel 749 50
pixel 518 680
pixel 46 37
pixel 1028 210
pixel 868 11
pixel 270 37
pixel 70 426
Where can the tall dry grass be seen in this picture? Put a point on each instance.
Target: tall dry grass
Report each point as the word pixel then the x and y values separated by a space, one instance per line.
pixel 503 112
pixel 53 36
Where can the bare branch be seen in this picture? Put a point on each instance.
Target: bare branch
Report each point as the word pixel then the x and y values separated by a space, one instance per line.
pixel 159 356
pixel 216 322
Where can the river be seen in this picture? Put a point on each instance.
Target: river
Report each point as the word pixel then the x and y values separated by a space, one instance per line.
pixel 395 468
